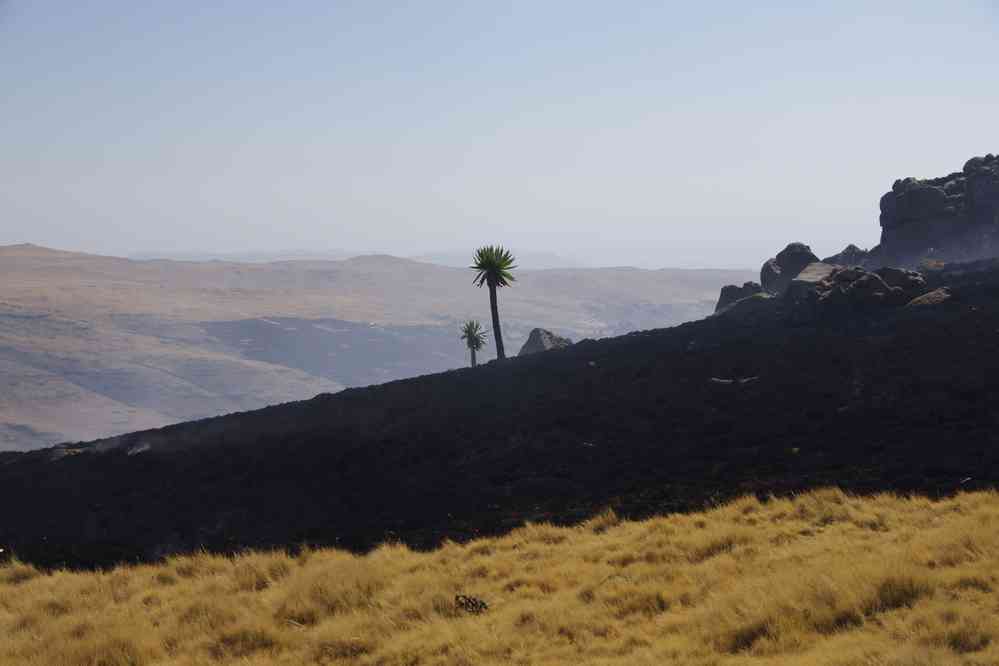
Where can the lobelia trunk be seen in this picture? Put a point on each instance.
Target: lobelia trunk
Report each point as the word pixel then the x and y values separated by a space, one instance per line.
pixel 500 354
pixel 473 356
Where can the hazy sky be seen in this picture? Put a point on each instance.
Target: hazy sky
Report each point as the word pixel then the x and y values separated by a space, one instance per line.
pixel 644 133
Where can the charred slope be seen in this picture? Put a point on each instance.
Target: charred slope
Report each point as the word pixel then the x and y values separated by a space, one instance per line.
pixel 660 420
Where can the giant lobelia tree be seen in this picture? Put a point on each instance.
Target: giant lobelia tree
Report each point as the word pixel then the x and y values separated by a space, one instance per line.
pixel 494 264
pixel 474 337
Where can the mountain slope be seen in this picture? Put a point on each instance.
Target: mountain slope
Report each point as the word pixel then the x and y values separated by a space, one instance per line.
pixel 649 422
pixel 96 346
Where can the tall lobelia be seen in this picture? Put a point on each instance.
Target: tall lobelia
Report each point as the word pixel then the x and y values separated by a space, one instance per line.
pixel 494 266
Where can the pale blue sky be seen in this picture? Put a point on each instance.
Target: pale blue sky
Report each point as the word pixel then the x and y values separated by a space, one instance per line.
pixel 644 133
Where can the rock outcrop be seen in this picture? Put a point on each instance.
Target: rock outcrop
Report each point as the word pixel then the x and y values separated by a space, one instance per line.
pixel 775 277
pixel 541 340
pixel 777 273
pixel 826 291
pixel 952 218
pixel 925 224
pixel 731 293
pixel 851 255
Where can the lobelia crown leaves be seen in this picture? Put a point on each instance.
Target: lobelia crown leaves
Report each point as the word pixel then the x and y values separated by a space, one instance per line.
pixel 493 264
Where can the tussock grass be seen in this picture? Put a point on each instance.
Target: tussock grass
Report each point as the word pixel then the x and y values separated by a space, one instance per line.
pixel 824 578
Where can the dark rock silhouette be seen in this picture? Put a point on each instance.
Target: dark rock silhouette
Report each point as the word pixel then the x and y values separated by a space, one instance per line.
pixel 775 277
pixel 732 293
pixel 951 218
pixel 777 273
pixel 851 255
pixel 756 309
pixel 541 340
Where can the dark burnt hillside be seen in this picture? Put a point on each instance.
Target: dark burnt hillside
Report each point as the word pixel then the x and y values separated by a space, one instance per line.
pixel 654 421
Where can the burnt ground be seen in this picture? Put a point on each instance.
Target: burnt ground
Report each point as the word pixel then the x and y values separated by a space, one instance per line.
pixel 656 421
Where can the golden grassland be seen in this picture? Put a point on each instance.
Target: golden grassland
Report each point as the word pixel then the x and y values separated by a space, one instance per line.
pixel 823 578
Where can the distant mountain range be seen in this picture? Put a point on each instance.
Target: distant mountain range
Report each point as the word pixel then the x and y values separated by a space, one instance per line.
pixel 92 346
pixel 452 258
pixel 250 257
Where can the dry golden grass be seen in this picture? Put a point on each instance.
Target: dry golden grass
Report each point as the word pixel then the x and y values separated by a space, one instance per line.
pixel 824 578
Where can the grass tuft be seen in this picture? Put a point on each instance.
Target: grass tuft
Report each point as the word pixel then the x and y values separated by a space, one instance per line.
pixel 244 642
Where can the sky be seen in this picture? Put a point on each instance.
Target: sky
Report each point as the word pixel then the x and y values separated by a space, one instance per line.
pixel 653 134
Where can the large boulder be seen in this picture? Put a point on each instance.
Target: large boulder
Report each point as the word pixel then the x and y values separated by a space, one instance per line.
pixel 777 273
pixel 541 340
pixel 731 293
pixel 951 218
pixel 809 283
pixel 758 308
pixel 910 282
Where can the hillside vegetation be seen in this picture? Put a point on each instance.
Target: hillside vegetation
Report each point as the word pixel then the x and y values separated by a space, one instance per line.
pixel 823 578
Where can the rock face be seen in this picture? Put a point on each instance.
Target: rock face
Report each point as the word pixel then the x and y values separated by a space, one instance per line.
pixel 543 340
pixel 777 273
pixel 731 293
pixel 952 218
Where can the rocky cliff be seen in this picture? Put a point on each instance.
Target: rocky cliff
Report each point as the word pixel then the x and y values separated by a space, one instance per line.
pixel 951 218
pixel 924 223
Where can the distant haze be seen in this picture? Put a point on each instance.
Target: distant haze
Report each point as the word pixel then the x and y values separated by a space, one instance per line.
pixel 527 260
pixel 637 133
